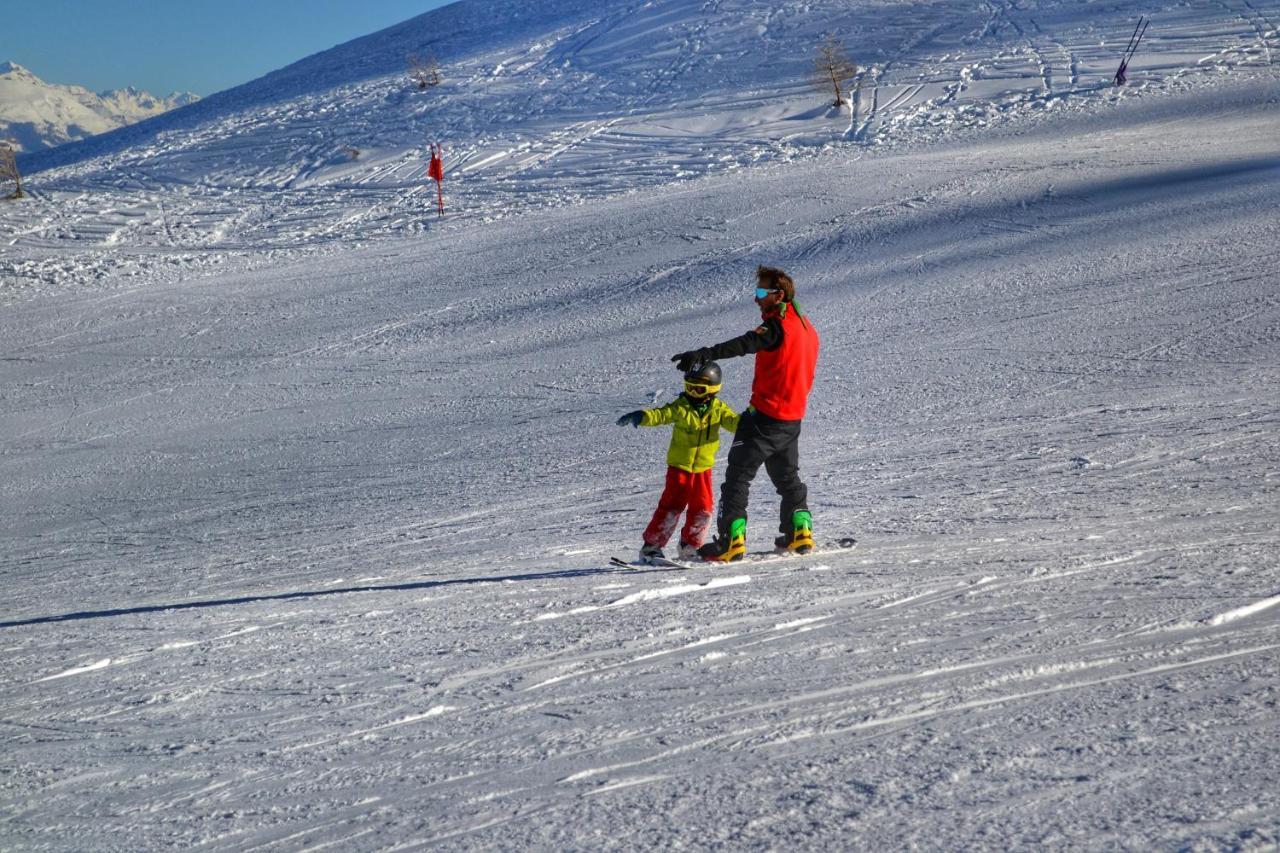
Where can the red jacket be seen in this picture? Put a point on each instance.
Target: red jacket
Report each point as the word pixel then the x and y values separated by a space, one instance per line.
pixel 784 374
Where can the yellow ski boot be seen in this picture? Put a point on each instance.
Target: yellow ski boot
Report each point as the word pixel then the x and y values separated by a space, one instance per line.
pixel 729 548
pixel 801 539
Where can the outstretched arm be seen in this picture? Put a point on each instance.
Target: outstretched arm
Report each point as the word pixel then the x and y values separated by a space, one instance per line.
pixel 651 417
pixel 766 336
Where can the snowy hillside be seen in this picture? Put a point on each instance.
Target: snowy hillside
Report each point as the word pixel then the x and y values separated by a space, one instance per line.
pixel 308 499
pixel 554 102
pixel 38 115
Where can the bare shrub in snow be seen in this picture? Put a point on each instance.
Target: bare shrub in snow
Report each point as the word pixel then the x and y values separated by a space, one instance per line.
pixel 9 166
pixel 425 72
pixel 833 67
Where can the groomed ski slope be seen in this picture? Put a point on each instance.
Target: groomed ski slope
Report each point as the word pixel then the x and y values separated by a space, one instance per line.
pixel 313 554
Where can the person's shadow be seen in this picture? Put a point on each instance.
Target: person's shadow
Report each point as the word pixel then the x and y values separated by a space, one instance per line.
pixel 321 593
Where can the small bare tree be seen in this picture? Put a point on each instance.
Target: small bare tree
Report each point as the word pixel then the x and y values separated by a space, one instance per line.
pixel 833 67
pixel 9 166
pixel 424 72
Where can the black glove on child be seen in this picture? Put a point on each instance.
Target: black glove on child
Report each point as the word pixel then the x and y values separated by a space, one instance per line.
pixel 631 419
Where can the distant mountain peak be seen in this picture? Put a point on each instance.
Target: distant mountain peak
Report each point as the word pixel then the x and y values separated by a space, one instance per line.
pixel 42 115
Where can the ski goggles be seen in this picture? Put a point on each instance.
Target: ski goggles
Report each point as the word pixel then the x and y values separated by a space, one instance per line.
pixel 700 389
pixel 763 292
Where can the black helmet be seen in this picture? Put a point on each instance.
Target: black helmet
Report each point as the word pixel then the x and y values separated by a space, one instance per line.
pixel 708 373
pixel 703 381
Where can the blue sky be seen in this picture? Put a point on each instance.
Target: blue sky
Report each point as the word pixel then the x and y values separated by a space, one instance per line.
pixel 202 46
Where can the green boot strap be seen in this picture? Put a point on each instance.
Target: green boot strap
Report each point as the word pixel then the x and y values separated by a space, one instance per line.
pixel 802 519
pixel 737 528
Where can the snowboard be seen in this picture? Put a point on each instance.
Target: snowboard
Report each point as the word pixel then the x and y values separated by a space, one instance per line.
pixel 843 544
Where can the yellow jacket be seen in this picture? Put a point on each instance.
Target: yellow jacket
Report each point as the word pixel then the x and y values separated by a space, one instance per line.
pixel 695 435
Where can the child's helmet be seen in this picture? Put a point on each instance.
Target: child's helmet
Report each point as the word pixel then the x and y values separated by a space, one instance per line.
pixel 703 381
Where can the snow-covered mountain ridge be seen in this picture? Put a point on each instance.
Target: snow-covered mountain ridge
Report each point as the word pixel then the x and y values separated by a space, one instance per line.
pixel 39 115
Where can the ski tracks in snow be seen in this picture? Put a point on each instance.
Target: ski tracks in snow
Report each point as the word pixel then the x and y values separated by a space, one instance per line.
pixel 574 118
pixel 683 735
pixel 549 710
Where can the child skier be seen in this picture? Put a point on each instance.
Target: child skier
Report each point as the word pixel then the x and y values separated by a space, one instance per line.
pixel 696 416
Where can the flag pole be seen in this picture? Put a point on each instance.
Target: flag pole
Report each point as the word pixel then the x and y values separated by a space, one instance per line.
pixel 435 170
pixel 440 180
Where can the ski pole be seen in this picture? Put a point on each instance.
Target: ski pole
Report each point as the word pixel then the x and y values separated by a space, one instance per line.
pixel 1122 75
pixel 1134 49
pixel 1132 37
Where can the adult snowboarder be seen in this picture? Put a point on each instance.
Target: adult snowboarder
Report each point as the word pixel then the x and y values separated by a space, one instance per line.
pixel 785 345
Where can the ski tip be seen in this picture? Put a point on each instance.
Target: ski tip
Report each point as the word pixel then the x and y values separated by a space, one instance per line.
pixel 651 563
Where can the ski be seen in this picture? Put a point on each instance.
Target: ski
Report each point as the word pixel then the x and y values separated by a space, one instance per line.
pixel 653 562
pixel 842 544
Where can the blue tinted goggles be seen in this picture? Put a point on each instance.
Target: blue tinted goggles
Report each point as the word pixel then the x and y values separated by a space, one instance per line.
pixel 762 292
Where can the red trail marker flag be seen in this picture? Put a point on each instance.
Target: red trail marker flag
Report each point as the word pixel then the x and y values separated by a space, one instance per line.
pixel 436 172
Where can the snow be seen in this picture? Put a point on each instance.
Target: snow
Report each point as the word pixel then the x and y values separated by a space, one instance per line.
pixel 1247 610
pixel 309 498
pixel 550 103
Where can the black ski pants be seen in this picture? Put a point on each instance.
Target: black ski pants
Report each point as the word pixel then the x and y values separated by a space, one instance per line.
pixel 762 440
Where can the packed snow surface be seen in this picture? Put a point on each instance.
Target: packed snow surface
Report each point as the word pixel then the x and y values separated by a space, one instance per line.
pixel 313 551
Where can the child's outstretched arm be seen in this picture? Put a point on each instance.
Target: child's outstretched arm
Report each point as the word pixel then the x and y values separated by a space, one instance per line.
pixel 661 416
pixel 650 417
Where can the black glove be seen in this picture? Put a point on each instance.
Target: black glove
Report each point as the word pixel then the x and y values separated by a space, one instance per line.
pixel 692 360
pixel 631 419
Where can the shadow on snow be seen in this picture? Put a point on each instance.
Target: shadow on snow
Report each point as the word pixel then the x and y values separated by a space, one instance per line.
pixel 321 593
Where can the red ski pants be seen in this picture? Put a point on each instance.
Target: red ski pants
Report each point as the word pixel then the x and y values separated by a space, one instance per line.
pixel 683 490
